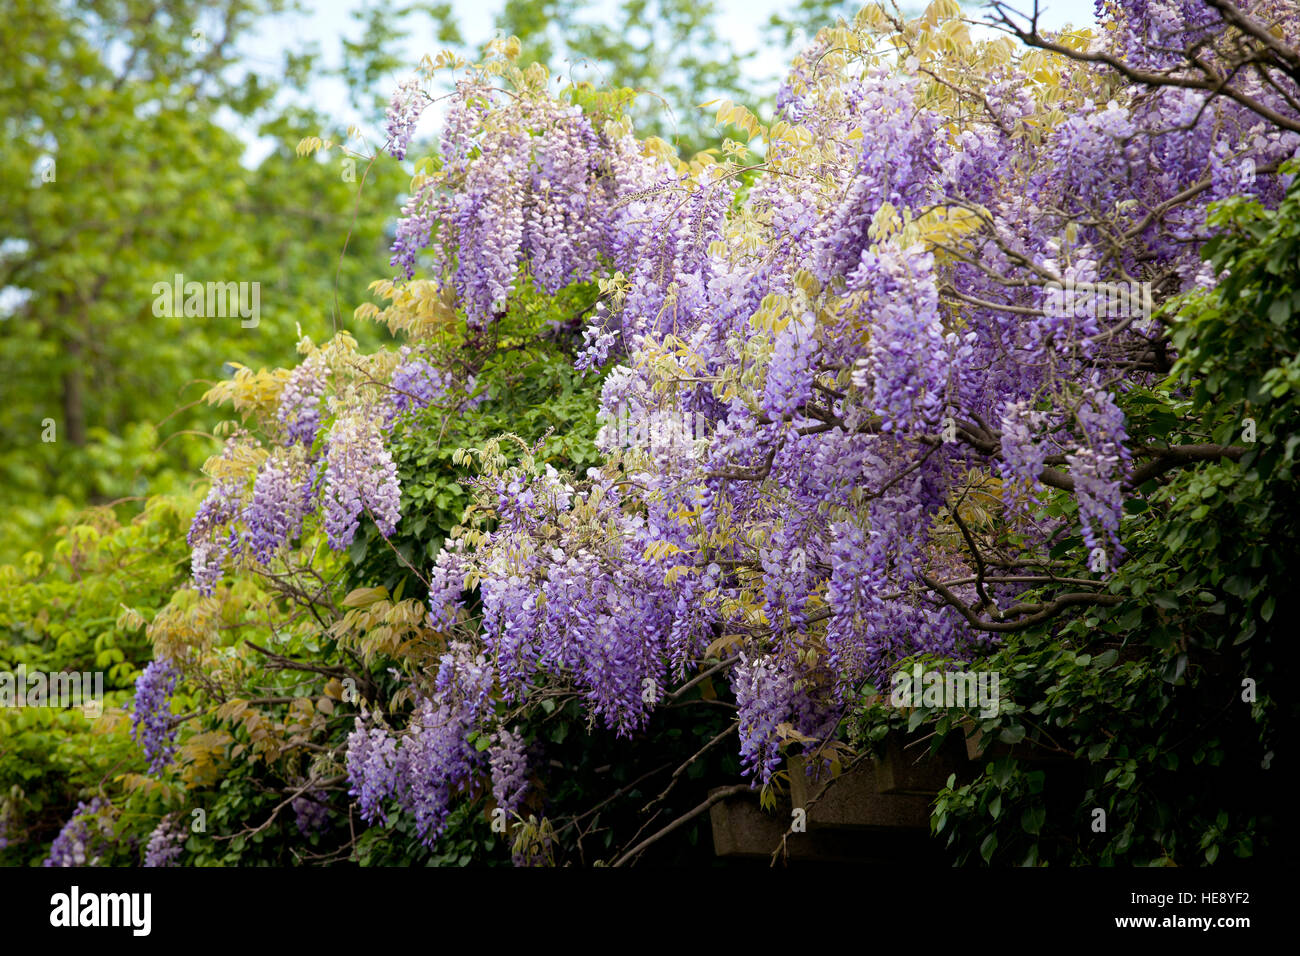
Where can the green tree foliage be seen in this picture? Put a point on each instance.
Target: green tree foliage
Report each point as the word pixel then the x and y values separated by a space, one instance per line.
pixel 799 22
pixel 117 172
pixel 84 609
pixel 370 62
pixel 669 51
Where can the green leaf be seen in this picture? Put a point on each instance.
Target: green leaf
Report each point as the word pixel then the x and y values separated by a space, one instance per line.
pixel 364 597
pixel 1012 734
pixel 1002 770
pixel 1031 821
pixel 989 845
pixel 1174 669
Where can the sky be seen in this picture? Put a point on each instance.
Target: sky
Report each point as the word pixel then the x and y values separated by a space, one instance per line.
pixel 739 21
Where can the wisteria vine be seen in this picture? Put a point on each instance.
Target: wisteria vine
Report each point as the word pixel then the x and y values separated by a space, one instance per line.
pixel 935 288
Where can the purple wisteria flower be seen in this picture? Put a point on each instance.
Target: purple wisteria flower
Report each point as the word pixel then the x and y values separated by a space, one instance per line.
pixel 371 769
pixel 424 767
pixel 420 215
pixel 282 498
pixel 165 842
pixel 299 408
pixel 509 762
pixel 359 474
pixel 83 838
pixel 790 372
pixel 764 690
pixel 1098 470
pixel 152 726
pixel 1023 451
pixel 210 537
pixel 310 811
pixel 408 102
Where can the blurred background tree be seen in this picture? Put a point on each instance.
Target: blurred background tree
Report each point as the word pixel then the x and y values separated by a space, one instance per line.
pixel 119 169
